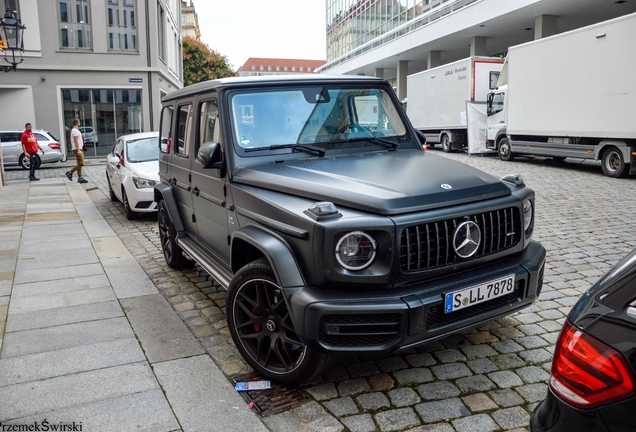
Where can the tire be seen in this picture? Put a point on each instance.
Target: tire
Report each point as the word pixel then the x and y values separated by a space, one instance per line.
pixel 130 213
pixel 614 164
pixel 446 144
pixel 505 154
pixel 111 193
pixel 168 238
pixel 263 332
pixel 24 162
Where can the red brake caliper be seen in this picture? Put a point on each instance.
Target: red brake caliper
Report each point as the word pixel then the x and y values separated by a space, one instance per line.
pixel 256 311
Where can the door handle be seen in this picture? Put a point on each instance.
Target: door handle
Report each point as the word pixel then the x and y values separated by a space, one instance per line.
pixel 501 121
pixel 196 191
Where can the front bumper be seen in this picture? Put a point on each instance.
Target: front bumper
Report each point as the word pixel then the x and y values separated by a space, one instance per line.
pixel 140 200
pixel 391 320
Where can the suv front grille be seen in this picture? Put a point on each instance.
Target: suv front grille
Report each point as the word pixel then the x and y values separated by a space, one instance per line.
pixel 429 246
pixel 359 330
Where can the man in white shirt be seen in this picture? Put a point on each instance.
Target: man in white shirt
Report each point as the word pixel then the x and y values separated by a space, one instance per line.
pixel 77 144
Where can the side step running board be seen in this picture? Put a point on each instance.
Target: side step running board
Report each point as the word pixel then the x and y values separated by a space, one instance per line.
pixel 188 246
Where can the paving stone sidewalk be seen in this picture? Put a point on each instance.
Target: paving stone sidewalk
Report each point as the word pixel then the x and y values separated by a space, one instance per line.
pixel 87 342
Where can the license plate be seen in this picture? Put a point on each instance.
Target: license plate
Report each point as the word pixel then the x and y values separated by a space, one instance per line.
pixel 457 300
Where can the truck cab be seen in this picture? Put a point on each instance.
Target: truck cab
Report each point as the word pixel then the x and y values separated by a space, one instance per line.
pixel 496 120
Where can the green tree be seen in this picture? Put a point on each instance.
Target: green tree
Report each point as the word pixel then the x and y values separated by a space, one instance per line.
pixel 201 63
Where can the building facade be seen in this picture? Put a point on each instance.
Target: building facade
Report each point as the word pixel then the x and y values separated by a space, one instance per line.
pixel 106 62
pixel 271 66
pixel 189 21
pixel 395 38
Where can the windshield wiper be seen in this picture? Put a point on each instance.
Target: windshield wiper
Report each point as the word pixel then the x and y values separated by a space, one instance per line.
pixel 392 145
pixel 295 148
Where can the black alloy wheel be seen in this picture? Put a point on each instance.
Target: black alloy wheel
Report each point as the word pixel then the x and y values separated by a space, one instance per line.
pixel 168 237
pixel 263 331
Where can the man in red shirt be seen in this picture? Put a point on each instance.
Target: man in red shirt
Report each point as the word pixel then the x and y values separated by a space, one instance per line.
pixel 30 148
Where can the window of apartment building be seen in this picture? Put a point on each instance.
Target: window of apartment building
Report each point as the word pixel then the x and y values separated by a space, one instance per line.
pixel 122 31
pixel 253 67
pixel 293 68
pixel 74 24
pixel 302 69
pixel 14 6
pixel 277 68
pixel 110 112
pixel 308 69
pixel 260 68
pixel 161 31
pixel 269 68
pixel 285 68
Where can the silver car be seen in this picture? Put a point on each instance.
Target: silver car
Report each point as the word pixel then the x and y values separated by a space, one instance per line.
pixel 90 136
pixel 12 154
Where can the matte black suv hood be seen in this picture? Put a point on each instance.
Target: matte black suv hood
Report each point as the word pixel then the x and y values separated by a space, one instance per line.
pixel 385 183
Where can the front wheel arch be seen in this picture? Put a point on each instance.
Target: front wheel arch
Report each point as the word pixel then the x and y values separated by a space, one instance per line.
pixel 252 242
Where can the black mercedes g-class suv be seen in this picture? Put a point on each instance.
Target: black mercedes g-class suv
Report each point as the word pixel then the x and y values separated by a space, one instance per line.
pixel 311 200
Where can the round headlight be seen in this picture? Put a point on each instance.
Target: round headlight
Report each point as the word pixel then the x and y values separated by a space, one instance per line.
pixel 356 250
pixel 527 214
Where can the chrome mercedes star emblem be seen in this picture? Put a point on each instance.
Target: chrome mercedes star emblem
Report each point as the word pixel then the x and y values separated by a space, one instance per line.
pixel 467 239
pixel 271 325
pixel 446 186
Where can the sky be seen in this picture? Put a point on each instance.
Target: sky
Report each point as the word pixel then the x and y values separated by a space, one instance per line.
pixel 240 29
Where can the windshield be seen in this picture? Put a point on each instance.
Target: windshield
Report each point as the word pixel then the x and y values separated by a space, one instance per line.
pixel 142 150
pixel 314 115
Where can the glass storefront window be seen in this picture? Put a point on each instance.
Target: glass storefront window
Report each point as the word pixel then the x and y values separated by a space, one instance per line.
pixel 104 114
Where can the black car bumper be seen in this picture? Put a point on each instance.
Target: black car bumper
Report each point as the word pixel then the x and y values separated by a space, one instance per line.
pixel 391 320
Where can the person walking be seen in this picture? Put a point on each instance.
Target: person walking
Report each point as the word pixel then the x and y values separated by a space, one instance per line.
pixel 77 144
pixel 30 148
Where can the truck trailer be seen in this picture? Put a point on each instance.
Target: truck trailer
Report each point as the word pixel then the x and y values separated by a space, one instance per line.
pixel 436 98
pixel 571 95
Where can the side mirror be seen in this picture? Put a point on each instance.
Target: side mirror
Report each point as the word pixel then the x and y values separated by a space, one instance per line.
pixel 114 160
pixel 489 104
pixel 210 155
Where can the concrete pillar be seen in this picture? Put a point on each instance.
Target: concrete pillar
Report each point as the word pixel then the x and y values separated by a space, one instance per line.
pixel 433 59
pixel 544 26
pixel 402 72
pixel 379 72
pixel 478 46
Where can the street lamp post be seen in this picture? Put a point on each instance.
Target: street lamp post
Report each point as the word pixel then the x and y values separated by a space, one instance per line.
pixel 11 33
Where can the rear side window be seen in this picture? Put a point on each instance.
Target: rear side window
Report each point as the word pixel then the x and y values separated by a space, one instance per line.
pixel 40 137
pixel 166 124
pixel 183 129
pixel 10 137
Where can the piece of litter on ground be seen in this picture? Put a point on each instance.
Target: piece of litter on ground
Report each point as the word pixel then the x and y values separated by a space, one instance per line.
pixel 253 385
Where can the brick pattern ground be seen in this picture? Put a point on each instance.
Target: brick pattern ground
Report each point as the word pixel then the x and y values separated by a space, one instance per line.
pixel 487 379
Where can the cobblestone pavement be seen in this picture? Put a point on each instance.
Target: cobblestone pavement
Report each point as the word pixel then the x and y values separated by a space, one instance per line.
pixel 487 379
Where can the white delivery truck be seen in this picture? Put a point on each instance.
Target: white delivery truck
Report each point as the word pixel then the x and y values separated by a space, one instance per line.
pixel 436 98
pixel 570 95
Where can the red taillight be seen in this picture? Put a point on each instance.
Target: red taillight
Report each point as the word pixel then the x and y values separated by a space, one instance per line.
pixel 586 373
pixel 54 146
